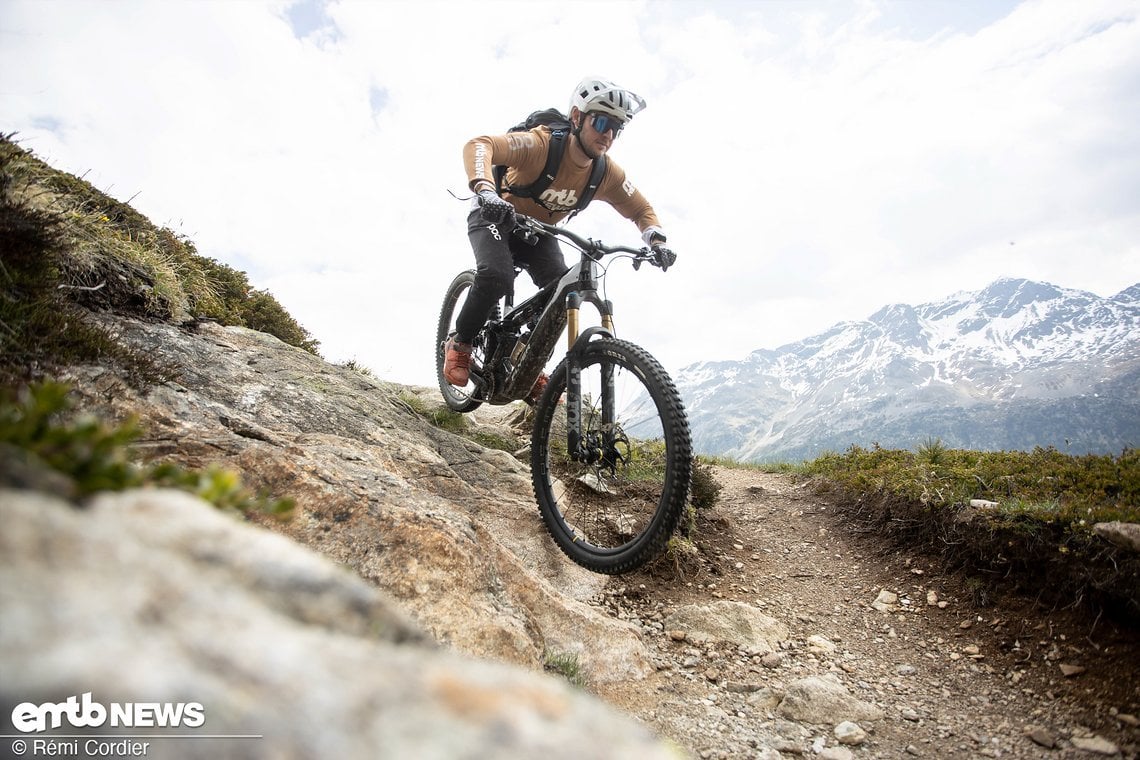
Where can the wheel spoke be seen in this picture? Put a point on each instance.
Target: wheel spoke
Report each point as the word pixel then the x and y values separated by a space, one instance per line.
pixel 613 502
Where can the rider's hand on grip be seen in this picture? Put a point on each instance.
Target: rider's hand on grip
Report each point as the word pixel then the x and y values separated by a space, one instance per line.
pixel 665 257
pixel 493 208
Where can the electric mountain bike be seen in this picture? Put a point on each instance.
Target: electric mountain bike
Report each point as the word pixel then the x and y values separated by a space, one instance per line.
pixel 611 456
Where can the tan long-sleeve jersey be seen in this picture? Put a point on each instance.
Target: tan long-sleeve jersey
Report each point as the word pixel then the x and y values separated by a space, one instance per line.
pixel 524 155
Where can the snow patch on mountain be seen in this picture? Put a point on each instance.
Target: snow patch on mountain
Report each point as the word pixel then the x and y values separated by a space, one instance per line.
pixel 1015 365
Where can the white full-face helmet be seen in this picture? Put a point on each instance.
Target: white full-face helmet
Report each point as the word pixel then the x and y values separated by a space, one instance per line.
pixel 603 96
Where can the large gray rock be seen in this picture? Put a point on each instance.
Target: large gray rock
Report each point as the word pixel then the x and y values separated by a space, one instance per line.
pixel 154 596
pixel 447 527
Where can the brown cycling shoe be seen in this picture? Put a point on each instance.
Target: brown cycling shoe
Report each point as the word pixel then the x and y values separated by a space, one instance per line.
pixel 537 389
pixel 457 362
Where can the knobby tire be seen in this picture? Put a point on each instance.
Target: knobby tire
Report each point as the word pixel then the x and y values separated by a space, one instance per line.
pixel 457 399
pixel 613 515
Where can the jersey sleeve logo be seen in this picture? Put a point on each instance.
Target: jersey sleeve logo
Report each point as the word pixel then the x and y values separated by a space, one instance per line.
pixel 481 160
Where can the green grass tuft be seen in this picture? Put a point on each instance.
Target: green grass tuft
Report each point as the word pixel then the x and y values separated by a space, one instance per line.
pixel 566 665
pixel 43 441
pixel 705 489
pixel 454 422
pixel 1074 490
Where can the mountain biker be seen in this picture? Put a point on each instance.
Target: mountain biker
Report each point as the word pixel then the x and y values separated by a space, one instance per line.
pixel 599 110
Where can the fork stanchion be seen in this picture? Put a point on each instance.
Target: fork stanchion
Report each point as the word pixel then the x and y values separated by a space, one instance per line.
pixel 573 305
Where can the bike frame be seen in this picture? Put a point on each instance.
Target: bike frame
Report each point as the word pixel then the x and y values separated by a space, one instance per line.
pixel 550 311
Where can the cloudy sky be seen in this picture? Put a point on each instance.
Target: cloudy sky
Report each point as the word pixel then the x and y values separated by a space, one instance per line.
pixel 811 161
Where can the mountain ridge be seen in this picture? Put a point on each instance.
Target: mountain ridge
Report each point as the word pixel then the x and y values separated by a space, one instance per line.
pixel 1014 365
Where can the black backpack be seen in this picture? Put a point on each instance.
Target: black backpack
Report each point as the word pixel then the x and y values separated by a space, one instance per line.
pixel 559 133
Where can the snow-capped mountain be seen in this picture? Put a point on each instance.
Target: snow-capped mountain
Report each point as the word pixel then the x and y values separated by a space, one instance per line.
pixel 1016 365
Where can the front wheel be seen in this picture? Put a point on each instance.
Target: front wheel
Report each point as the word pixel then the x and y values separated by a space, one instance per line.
pixel 612 504
pixel 457 399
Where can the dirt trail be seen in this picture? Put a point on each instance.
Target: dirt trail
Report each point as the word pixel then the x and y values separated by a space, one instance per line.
pixel 952 678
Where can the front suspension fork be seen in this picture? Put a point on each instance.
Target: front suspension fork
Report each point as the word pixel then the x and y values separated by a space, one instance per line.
pixel 580 450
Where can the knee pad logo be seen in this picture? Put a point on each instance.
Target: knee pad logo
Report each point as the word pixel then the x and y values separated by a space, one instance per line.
pixel 494 232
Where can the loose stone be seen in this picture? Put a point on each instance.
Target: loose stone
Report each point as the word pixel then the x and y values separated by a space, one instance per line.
pixel 1095 744
pixel 1040 736
pixel 850 733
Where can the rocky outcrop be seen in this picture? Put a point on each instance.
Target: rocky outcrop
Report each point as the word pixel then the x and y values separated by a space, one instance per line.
pixel 436 577
pixel 155 597
pixel 445 526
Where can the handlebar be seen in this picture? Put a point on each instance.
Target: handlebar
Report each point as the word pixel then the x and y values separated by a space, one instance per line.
pixel 529 228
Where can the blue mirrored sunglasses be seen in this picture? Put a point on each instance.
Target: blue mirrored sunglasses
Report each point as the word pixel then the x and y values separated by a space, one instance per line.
pixel 602 122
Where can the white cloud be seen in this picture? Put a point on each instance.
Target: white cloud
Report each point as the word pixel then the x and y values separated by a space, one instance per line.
pixel 812 161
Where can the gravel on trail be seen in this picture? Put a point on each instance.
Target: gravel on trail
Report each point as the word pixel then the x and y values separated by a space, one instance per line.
pixel 870 651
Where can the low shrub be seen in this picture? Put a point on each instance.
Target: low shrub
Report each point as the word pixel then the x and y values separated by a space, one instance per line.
pixel 42 440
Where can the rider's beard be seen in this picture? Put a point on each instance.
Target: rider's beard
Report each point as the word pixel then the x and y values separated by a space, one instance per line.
pixel 585 148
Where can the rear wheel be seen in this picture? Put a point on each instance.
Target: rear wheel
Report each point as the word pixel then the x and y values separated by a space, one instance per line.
pixel 459 399
pixel 613 504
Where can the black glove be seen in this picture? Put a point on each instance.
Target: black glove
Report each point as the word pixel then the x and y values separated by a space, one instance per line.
pixel 494 209
pixel 665 257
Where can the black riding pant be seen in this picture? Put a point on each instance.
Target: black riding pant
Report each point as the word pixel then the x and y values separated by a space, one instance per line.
pixel 497 253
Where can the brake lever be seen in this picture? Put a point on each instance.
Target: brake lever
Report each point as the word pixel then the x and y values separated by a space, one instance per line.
pixel 526 233
pixel 642 257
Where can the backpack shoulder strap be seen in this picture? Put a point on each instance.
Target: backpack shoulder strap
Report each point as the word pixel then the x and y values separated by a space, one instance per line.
pixel 596 175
